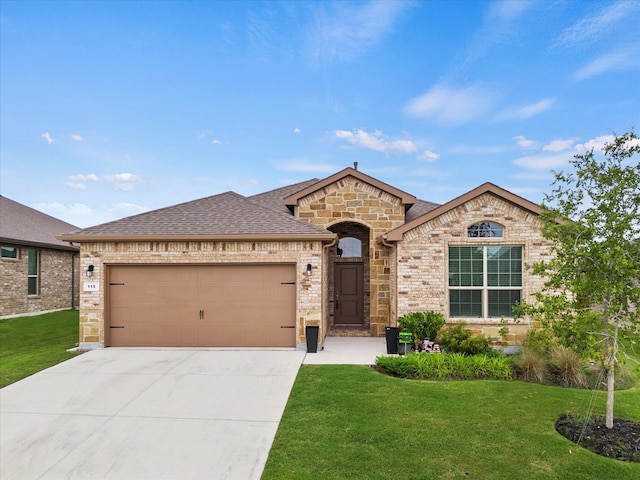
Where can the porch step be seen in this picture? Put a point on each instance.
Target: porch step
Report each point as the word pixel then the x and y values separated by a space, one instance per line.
pixel 348 331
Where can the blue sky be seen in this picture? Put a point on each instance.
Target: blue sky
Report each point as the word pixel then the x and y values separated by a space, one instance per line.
pixel 108 109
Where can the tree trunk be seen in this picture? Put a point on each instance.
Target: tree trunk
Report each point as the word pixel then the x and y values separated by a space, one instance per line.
pixel 611 371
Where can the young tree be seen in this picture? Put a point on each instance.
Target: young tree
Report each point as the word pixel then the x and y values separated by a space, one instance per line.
pixel 592 292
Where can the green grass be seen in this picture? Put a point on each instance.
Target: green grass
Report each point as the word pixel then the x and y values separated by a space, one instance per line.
pixel 31 344
pixel 350 422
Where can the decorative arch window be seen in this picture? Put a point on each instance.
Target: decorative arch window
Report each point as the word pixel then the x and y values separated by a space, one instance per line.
pixel 349 247
pixel 484 230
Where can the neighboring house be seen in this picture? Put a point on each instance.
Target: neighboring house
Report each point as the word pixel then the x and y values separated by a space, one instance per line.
pixel 38 272
pixel 348 253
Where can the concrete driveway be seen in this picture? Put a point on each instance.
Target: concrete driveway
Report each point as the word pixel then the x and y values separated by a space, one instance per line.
pixel 147 414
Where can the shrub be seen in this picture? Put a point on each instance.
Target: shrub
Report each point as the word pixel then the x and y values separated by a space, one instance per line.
pixel 530 366
pixel 566 367
pixel 422 325
pixel 540 341
pixel 397 366
pixel 447 366
pixel 458 339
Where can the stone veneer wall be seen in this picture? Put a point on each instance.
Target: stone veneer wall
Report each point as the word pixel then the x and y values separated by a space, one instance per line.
pixel 55 282
pixel 350 199
pixel 101 254
pixel 423 258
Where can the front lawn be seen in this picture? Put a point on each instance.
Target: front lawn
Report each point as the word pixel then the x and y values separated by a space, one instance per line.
pixel 31 344
pixel 351 422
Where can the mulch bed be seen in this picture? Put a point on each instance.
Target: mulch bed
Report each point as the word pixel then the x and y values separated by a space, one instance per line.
pixel 622 442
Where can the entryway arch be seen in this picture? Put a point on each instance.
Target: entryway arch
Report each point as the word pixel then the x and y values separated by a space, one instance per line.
pixel 349 289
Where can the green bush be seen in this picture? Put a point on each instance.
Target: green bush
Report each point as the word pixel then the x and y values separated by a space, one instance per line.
pixel 540 341
pixel 458 339
pixel 422 325
pixel 447 366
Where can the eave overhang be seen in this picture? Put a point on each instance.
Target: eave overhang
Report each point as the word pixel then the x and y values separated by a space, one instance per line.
pixel 50 246
pixel 322 237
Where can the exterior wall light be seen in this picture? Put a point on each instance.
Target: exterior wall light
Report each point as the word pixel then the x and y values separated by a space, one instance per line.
pixel 90 269
pixel 308 269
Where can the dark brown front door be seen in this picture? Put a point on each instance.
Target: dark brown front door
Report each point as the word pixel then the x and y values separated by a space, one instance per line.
pixel 349 294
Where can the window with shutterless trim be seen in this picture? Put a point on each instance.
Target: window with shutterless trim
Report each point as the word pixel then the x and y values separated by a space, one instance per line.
pixel 9 252
pixel 33 272
pixel 484 281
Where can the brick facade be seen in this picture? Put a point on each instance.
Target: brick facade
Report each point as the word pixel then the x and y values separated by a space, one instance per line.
pixel 405 262
pixel 55 288
pixel 422 278
pixel 102 254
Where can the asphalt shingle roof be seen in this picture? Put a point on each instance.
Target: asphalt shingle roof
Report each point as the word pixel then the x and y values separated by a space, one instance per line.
pixel 226 214
pixel 274 199
pixel 24 225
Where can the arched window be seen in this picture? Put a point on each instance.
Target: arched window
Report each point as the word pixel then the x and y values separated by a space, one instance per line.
pixel 349 247
pixel 484 230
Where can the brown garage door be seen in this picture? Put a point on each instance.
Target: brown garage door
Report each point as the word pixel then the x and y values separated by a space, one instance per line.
pixel 201 306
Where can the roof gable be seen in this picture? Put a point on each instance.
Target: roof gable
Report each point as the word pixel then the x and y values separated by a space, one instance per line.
pixel 397 234
pixel 24 225
pixel 405 198
pixel 224 216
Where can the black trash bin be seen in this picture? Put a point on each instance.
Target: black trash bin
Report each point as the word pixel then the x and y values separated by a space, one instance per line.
pixel 312 338
pixel 392 339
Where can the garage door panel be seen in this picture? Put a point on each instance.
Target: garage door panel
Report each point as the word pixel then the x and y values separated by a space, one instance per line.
pixel 221 305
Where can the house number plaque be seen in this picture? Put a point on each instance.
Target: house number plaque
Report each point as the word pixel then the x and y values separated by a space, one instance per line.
pixel 91 286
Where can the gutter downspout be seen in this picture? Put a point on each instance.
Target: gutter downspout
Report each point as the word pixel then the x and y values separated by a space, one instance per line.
pixel 73 280
pixel 392 246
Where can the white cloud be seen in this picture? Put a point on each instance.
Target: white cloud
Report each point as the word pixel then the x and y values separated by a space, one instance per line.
pixel 74 213
pixel 558 145
pixel 526 111
pixel 450 106
pixel 622 59
pixel 591 28
pixel 123 181
pixel 544 162
pixel 429 156
pixel 122 177
pixel 75 186
pixel 596 144
pixel 215 141
pixel 342 31
pixel 47 137
pixel 92 177
pixel 376 141
pixel 76 138
pixel 296 130
pixel 524 142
